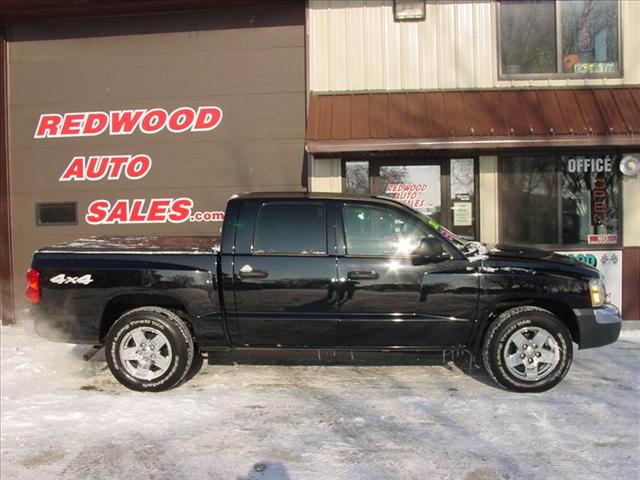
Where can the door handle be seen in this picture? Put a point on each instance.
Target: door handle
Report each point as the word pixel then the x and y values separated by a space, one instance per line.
pixel 247 271
pixel 363 275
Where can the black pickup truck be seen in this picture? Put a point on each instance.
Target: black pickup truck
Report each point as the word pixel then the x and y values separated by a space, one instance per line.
pixel 319 271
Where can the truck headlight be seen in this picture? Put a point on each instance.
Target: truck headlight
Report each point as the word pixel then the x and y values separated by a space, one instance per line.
pixel 598 292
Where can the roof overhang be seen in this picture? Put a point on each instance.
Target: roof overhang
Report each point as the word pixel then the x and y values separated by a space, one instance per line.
pixel 474 120
pixel 319 147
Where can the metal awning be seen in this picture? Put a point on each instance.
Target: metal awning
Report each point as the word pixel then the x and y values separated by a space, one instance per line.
pixel 473 119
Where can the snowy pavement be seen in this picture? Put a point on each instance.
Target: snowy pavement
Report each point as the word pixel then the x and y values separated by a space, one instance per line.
pixel 259 417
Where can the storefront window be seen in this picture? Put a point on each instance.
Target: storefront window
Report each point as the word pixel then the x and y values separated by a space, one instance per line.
pixel 443 189
pixel 357 177
pixel 566 200
pixel 590 200
pixel 587 31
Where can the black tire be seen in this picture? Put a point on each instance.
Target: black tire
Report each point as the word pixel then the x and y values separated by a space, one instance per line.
pixel 180 355
pixel 497 340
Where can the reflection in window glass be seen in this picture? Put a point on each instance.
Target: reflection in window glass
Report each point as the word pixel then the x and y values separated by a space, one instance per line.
pixel 357 177
pixel 571 200
pixel 462 195
pixel 418 186
pixel 588 32
pixel 529 201
pixel 528 37
pixel 379 232
pixel 290 228
pixel 589 36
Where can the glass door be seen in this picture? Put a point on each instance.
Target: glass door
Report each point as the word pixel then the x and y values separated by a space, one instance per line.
pixel 418 186
pixel 444 189
pixel 462 197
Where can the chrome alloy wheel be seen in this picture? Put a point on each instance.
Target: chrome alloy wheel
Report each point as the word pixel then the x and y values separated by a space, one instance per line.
pixel 145 353
pixel 531 354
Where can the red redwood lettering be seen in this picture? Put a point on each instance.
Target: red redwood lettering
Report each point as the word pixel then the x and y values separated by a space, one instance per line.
pixel 180 210
pixel 153 121
pixel 118 213
pixel 96 168
pixel 208 118
pixel 181 119
pixel 95 123
pixel 138 167
pixel 124 122
pixel 72 124
pixel 74 171
pixel 158 209
pixel 97 212
pixel 136 214
pixel 48 125
pixel 117 164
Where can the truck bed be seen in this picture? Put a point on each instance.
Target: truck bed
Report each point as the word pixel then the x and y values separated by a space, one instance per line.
pixel 158 244
pixel 85 281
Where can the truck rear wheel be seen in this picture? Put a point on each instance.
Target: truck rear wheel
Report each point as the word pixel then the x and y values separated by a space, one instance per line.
pixel 149 349
pixel 527 349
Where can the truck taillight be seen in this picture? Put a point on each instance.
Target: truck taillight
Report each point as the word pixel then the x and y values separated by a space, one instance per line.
pixel 33 285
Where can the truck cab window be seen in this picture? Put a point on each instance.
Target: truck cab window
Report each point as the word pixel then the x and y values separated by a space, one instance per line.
pixel 290 229
pixel 380 232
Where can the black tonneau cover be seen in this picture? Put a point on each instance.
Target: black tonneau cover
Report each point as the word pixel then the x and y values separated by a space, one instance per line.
pixel 139 244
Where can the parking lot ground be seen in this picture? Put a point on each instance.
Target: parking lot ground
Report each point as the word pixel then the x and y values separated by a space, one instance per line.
pixel 267 416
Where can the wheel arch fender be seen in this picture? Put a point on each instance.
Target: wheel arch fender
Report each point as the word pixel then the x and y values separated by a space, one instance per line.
pixel 562 310
pixel 120 304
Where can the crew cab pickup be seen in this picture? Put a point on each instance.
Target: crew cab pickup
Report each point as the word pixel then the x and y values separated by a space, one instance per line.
pixel 319 271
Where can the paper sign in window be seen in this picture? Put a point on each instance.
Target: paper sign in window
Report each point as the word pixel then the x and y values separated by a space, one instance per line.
pixel 462 214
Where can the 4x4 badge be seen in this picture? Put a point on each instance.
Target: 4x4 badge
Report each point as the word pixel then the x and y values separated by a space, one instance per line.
pixel 63 279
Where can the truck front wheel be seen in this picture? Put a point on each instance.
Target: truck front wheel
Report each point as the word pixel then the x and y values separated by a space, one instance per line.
pixel 149 349
pixel 527 349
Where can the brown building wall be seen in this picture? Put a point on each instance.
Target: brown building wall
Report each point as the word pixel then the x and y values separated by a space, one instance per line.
pixel 631 283
pixel 6 291
pixel 247 61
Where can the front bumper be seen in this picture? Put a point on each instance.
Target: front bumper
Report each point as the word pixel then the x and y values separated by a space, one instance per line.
pixel 598 326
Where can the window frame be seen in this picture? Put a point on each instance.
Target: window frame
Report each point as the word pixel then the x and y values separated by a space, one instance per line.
pixel 558 74
pixel 39 205
pixel 405 215
pixel 284 254
pixel 502 161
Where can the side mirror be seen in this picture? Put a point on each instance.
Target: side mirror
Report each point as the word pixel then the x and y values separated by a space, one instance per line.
pixel 430 249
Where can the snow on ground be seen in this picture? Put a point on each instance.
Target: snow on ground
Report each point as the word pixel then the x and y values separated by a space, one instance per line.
pixel 385 416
